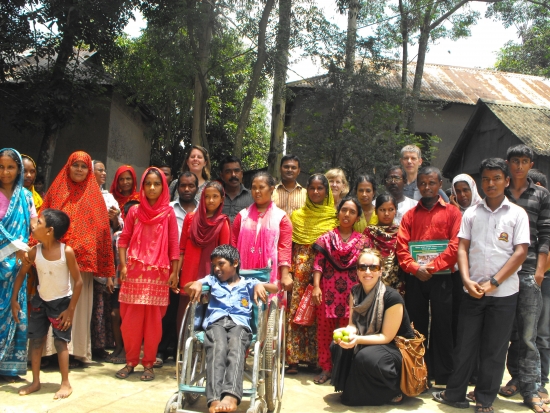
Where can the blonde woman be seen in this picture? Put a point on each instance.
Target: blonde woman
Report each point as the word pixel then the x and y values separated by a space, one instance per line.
pixel 338 184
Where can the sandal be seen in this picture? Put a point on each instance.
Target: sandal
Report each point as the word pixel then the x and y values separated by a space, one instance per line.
pixel 471 397
pixel 118 359
pixel 439 396
pixel 321 378
pixel 533 405
pixel 158 363
pixel 292 369
pixel 148 374
pixel 483 409
pixel 397 400
pixel 75 364
pixel 511 389
pixel 124 372
pixel 544 396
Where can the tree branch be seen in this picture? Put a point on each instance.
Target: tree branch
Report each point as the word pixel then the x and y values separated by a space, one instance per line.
pixel 449 13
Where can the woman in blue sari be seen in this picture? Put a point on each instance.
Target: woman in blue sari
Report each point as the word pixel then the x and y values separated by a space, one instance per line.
pixel 16 212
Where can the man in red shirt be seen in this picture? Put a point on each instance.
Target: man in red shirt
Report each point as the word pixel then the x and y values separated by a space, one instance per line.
pixel 428 293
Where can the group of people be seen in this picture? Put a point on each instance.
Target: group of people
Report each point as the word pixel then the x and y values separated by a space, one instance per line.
pixel 130 261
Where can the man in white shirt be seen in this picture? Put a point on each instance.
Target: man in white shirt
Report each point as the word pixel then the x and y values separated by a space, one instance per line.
pixel 188 185
pixel 394 180
pixel 493 241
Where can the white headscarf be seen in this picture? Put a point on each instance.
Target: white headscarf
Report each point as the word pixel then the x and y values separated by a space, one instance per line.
pixel 476 199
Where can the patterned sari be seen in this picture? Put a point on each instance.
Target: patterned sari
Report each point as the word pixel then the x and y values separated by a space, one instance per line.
pixel 14 231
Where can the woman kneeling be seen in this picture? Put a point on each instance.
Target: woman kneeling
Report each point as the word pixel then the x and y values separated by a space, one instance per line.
pixel 367 363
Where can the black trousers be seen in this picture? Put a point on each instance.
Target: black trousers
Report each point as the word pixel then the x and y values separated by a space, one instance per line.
pixel 484 328
pixel 169 336
pixel 433 298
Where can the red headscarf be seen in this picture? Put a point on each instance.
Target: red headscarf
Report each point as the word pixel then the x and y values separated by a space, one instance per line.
pixel 152 253
pixel 89 234
pixel 205 230
pixel 122 199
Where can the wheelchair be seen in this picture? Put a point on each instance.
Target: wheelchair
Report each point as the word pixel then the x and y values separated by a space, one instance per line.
pixel 265 364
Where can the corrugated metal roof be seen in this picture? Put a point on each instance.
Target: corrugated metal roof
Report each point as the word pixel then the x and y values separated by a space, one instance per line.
pixel 465 85
pixel 530 123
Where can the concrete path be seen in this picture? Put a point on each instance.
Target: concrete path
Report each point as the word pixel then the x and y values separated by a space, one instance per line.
pixel 95 389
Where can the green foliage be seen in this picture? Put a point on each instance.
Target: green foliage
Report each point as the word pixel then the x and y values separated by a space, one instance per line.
pixel 531 55
pixel 156 70
pixel 348 121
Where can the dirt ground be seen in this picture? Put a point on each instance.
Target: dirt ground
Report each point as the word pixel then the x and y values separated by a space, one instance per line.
pixel 95 389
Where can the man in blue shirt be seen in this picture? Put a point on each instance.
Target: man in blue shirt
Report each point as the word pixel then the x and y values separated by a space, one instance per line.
pixel 227 325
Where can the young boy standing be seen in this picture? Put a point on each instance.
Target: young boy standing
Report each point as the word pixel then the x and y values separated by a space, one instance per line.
pixel 55 302
pixel 227 325
pixel 523 359
pixel 493 242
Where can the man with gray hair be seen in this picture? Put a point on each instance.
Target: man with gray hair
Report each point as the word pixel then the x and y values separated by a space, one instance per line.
pixel 411 160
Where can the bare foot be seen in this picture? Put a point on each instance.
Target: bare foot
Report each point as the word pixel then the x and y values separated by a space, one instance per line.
pixel 29 388
pixel 213 406
pixel 64 391
pixel 228 404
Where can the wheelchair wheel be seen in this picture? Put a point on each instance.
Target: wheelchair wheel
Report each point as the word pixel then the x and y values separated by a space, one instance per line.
pixel 172 404
pixel 197 372
pixel 185 331
pixel 271 355
pixel 259 407
pixel 281 350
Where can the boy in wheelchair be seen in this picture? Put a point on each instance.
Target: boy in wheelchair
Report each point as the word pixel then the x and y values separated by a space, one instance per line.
pixel 227 326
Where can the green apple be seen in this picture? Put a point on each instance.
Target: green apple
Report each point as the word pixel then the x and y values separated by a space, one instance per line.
pixel 345 339
pixel 345 332
pixel 337 335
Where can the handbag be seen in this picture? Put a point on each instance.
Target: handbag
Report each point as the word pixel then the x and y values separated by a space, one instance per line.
pixel 305 313
pixel 414 373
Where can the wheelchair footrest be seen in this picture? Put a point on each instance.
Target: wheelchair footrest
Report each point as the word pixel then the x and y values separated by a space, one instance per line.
pixel 192 389
pixel 202 390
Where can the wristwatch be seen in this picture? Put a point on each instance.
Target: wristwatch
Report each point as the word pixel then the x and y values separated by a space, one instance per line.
pixel 494 281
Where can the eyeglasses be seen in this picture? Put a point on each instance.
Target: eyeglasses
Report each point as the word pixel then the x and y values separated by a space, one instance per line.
pixel 370 267
pixel 393 179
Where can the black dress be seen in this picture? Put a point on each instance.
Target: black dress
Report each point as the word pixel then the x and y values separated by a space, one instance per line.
pixel 371 376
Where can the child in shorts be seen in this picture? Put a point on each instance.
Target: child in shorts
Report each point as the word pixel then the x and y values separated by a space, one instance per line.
pixel 55 302
pixel 227 323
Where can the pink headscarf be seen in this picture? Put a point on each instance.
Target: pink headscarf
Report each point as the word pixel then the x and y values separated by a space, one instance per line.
pixel 153 252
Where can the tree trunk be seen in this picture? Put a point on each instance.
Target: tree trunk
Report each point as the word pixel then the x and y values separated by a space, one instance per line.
pixel 404 46
pixel 51 128
pixel 404 28
pixel 351 37
pixel 425 30
pixel 254 81
pixel 198 134
pixel 279 89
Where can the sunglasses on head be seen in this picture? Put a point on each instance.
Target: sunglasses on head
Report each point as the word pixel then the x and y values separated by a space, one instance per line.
pixel 370 267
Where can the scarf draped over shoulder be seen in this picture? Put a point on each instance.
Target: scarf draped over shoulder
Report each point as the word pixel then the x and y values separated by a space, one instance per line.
pixel 205 231
pixel 368 309
pixel 341 255
pixel 89 233
pixel 312 220
pixel 259 237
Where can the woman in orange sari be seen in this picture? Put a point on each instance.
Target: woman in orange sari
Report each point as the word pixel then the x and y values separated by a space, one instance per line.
pixel 75 192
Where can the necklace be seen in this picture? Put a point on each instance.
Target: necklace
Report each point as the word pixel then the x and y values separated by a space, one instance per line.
pixel 346 239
